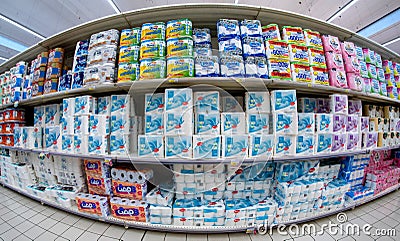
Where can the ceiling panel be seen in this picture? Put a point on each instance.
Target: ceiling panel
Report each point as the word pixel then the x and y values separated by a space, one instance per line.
pixel 16 34
pixel 128 5
pixel 50 17
pixel 387 34
pixel 394 46
pixel 7 52
pixel 365 12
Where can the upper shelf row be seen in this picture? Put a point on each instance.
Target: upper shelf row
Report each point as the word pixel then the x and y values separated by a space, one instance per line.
pixel 204 15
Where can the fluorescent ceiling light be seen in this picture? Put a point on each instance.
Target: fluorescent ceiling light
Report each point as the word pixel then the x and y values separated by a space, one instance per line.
pixel 116 9
pixel 391 41
pixel 21 26
pixel 380 24
pixel 2 58
pixel 338 13
pixel 11 44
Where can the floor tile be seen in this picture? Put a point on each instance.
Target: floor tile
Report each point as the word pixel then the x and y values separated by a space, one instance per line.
pixel 348 238
pixel 98 227
pixel 14 206
pixel 34 232
pixel 369 218
pixel 15 221
pixel 377 214
pixel 304 238
pixel 24 226
pixel 47 223
pixel 28 214
pixel 390 221
pixel 105 238
pixel 22 238
pixel 61 239
pixel 132 234
pixel 8 216
pixel 155 236
pixel 46 236
pixel 83 223
pixel 70 219
pixel 49 211
pixel 4 210
pixel 380 225
pixel 59 228
pixel 114 231
pixel 385 238
pixel 196 237
pixel 225 237
pixel 324 236
pixel 90 236
pixel 37 218
pixel 4 227
pixel 384 210
pixel 59 215
pixel 21 210
pixel 10 234
pixel 182 237
pixel 72 233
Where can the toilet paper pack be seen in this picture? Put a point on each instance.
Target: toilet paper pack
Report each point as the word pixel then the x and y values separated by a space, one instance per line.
pixel 98 144
pixel 104 105
pixel 207 123
pixel 323 143
pixel 67 144
pixel 261 145
pixel 306 123
pixel 99 125
pixel 151 146
pixel 120 144
pixel 67 125
pixel 119 124
pixel 52 138
pixel 154 103
pixel 301 72
pixel 353 141
pixel 323 105
pixel 339 123
pixel 38 116
pixel 337 78
pixel 178 100
pixel 355 107
pixel 81 124
pixel 122 105
pixel 258 102
pixel 52 114
pixel 285 123
pixel 283 101
pixel 233 123
pixel 370 140
pixel 338 142
pixel 154 124
pixel 81 144
pixel 234 146
pixel 129 189
pixel 257 123
pixel 339 104
pixel 232 104
pixel 331 43
pixel 178 123
pixel 305 144
pixel 178 146
pixel 68 107
pixel 84 105
pixel 99 185
pixel 284 145
pixel 93 204
pixel 353 124
pixel 206 101
pixel 307 105
pixel 206 146
pixel 97 167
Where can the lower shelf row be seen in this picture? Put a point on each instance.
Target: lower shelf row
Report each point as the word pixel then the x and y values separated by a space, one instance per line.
pixel 201 194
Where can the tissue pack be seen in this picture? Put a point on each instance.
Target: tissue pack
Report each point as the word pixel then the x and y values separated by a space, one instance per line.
pixel 353 124
pixel 120 144
pixel 305 144
pixel 306 123
pixel 67 144
pixel 257 123
pixel 99 124
pixel 337 78
pixel 150 146
pixel 234 146
pixel 258 102
pixel 284 145
pixel 206 146
pixel 206 101
pixel 93 204
pixel 84 105
pixel 178 99
pixel 339 104
pixel 38 116
pixel 338 142
pixel 178 123
pixel 154 103
pixel 81 124
pixel 68 107
pixel 339 123
pixel 52 138
pixel 261 145
pixel 323 143
pixel 370 140
pixel 285 123
pixel 104 105
pixel 130 190
pixel 130 210
pixel 233 123
pixel 122 105
pixel 97 144
pixel 178 146
pixel 331 43
pixel 81 144
pixel 284 101
pixel 154 124
pixel 307 105
pixel 207 123
pixel 353 141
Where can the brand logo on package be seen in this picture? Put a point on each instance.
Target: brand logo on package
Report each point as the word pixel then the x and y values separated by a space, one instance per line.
pixel 122 189
pixel 88 205
pixel 92 166
pixel 127 212
pixel 95 182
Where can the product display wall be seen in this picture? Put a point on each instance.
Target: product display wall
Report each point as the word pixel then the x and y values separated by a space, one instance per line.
pixel 290 133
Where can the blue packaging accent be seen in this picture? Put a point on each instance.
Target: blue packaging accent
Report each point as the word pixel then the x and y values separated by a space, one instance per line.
pixel 80 64
pixel 178 146
pixel 253 46
pixel 65 82
pixel 206 146
pixel 306 123
pixel 233 123
pixel 207 123
pixel 154 124
pixel 258 123
pixel 305 145
pixel 232 46
pixel 227 29
pixel 258 102
pixel 154 103
pixel 77 80
pixel 307 105
pixel 150 146
pixel 285 123
pixel 250 28
pixel 285 145
pixel 82 48
pixel 201 36
pixel 235 146
pixel 178 99
pixel 284 100
pixel 261 145
pixel 324 143
pixel 207 102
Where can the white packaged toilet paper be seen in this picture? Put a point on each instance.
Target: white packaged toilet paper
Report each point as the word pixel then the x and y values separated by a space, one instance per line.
pixel 178 147
pixel 207 123
pixel 206 102
pixel 98 144
pixel 178 123
pixel 261 145
pixel 284 145
pixel 258 102
pixel 151 146
pixel 235 145
pixel 81 125
pixel 206 146
pixel 258 123
pixel 233 123
pixel 99 125
pixel 285 123
pixel 81 144
pixel 154 103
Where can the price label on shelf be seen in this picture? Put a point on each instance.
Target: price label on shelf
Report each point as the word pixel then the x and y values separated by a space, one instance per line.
pixel 235 163
pixel 16 104
pixel 173 81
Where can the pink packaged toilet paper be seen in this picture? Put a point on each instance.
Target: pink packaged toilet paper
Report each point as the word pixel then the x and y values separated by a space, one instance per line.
pixel 331 43
pixel 352 65
pixel 348 48
pixel 354 81
pixel 337 78
pixel 334 60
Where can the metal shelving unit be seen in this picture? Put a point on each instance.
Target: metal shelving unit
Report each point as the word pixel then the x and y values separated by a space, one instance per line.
pixel 202 15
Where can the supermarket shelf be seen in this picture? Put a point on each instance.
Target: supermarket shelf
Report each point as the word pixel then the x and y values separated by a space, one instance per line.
pixel 202 15
pixel 234 161
pixel 201 83
pixel 193 229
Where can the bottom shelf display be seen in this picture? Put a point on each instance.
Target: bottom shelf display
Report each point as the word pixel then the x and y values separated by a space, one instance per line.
pixel 203 197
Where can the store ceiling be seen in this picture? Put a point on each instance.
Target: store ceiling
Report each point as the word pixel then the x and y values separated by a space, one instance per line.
pixel 378 20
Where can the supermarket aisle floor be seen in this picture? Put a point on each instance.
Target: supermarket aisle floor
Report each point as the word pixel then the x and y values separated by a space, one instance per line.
pixel 24 219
